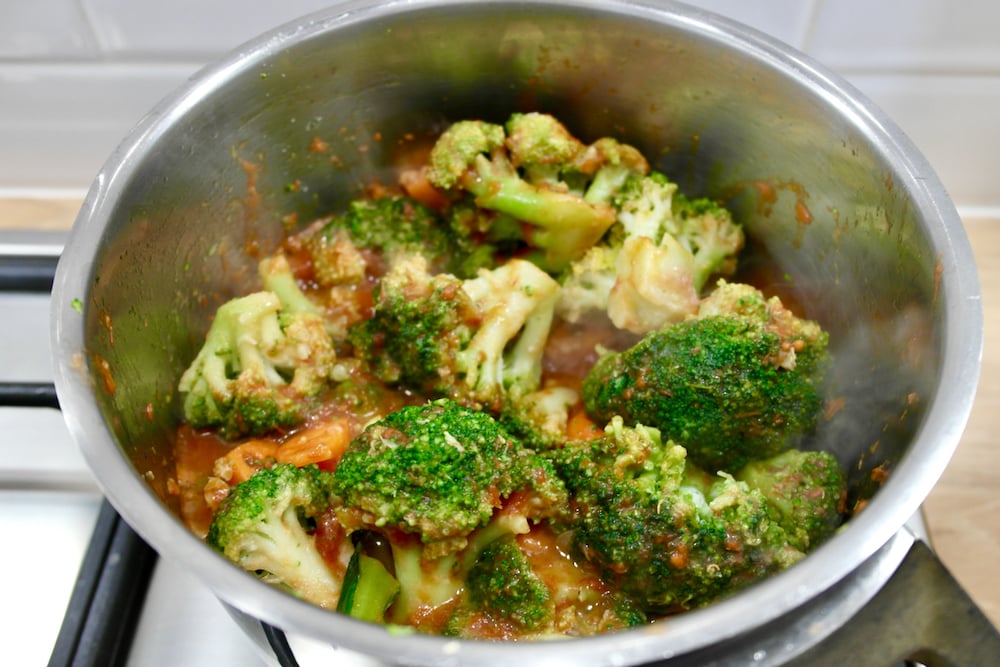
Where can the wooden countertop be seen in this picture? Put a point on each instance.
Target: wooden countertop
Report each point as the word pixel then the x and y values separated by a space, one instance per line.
pixel 963 510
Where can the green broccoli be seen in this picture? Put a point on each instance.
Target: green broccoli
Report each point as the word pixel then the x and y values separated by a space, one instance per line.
pixel 501 580
pixel 277 277
pixel 587 283
pixel 492 588
pixel 806 489
pixel 649 271
pixel 418 324
pixel 439 471
pixel 707 230
pixel 431 577
pixel 611 165
pixel 739 382
pixel 539 419
pixel 384 229
pixel 650 206
pixel 441 482
pixel 657 527
pixel 477 340
pixel 265 359
pixel 541 147
pixel 537 173
pixel 262 526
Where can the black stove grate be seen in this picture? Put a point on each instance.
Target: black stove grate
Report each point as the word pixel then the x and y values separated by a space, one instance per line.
pixel 104 610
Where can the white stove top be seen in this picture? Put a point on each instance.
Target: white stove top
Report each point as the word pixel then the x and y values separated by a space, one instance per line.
pixel 48 508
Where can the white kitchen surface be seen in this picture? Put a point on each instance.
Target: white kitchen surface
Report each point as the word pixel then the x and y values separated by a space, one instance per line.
pixel 48 509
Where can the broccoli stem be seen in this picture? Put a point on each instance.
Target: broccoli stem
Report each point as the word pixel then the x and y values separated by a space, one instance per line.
pixel 563 224
pixel 368 589
pixel 276 274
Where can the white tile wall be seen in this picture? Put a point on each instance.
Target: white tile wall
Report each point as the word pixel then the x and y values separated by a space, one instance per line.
pixel 76 74
pixel 787 20
pixel 150 29
pixel 59 121
pixel 924 36
pixel 45 29
pixel 955 122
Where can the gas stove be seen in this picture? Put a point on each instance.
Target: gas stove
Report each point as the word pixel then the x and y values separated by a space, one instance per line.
pixel 90 592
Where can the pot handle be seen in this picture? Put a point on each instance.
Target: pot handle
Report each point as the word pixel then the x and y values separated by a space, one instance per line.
pixel 921 614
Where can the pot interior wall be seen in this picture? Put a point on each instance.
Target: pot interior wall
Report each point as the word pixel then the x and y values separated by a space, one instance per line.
pixel 299 126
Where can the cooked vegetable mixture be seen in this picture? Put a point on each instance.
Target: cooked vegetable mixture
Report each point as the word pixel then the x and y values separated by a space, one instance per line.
pixel 516 395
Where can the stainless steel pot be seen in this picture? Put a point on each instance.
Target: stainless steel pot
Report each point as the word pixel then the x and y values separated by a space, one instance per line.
pixel 846 218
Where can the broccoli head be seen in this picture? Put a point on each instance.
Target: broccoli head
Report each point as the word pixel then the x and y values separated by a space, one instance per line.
pixel 542 147
pixel 439 471
pixel 457 149
pixel 502 583
pixel 663 533
pixel 650 269
pixel 609 164
pixel 707 230
pixel 419 323
pixel 440 484
pixel 262 527
pixel 535 172
pixel 587 283
pixel 512 581
pixel 806 489
pixel 277 277
pixel 728 386
pixel 653 286
pixel 477 340
pixel 381 230
pixel 540 419
pixel 260 368
pixel 650 206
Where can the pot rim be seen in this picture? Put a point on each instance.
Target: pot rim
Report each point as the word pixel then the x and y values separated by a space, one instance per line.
pixel 766 601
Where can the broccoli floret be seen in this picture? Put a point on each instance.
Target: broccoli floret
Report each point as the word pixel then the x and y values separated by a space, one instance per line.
pixel 419 323
pixel 431 582
pixel 539 419
pixel 477 340
pixel 502 583
pixel 440 471
pixel 457 149
pixel 706 229
pixel 611 164
pixel 806 489
pixel 653 285
pixel 651 268
pixel 651 206
pixel 262 364
pixel 587 283
pixel 389 228
pixel 277 277
pixel 542 147
pixel 658 531
pixel 517 303
pixel 529 586
pixel 441 482
pixel 538 174
pixel 262 527
pixel 729 387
